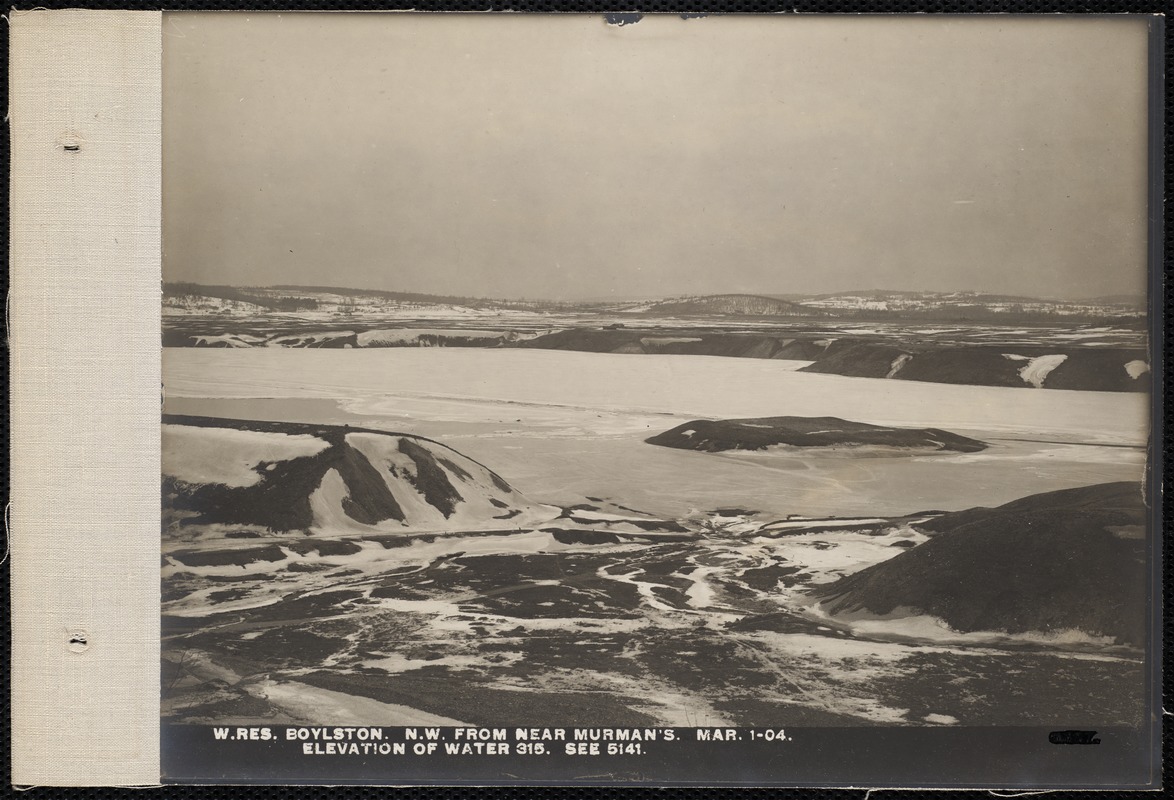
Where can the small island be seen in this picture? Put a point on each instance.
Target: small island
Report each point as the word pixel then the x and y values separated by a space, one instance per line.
pixel 759 433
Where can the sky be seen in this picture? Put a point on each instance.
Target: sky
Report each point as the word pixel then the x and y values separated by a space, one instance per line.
pixel 559 157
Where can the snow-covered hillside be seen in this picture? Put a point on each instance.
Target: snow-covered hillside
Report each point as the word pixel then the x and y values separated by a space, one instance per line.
pixel 328 480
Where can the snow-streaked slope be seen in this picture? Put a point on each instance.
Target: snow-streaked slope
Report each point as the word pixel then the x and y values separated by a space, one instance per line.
pixel 329 480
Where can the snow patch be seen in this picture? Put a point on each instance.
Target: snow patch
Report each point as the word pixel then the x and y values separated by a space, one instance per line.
pixel 1137 368
pixel 940 719
pixel 1037 369
pixel 647 340
pixel 326 707
pixel 908 624
pixel 397 662
pixel 230 339
pixel 603 516
pixel 701 594
pixel 832 554
pixel 227 456
pixel 898 362
pixel 307 339
pixel 809 522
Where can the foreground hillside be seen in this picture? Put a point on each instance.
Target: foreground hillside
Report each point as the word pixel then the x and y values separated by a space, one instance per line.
pixel 564 625
pixel 1072 560
pixel 279 477
pixel 827 432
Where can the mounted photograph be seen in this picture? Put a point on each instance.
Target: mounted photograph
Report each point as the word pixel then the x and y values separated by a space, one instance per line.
pixel 660 399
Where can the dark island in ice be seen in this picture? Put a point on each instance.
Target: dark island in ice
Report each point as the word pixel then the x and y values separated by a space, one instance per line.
pixel 759 433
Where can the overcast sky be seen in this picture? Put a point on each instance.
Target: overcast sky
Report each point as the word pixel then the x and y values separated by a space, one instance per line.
pixel 563 158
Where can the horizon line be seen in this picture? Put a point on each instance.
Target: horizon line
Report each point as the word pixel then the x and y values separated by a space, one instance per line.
pixel 792 297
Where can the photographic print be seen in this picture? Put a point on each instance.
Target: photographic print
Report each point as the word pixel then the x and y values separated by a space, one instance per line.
pixel 620 398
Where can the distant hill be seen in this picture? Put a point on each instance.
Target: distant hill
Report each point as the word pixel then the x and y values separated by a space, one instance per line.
pixel 421 298
pixel 927 297
pixel 974 306
pixel 233 298
pixel 330 299
pixel 744 305
pixel 759 433
pixel 284 477
pixel 1132 300
pixel 1067 560
pixel 191 298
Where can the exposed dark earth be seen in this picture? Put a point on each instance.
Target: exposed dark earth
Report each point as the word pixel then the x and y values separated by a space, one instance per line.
pixel 1066 560
pixel 332 574
pixel 762 432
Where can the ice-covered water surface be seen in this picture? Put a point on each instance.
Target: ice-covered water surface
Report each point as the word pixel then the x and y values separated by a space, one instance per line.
pixel 682 385
pixel 562 426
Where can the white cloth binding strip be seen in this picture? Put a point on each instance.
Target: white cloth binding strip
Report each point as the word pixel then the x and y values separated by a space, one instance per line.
pixel 84 328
